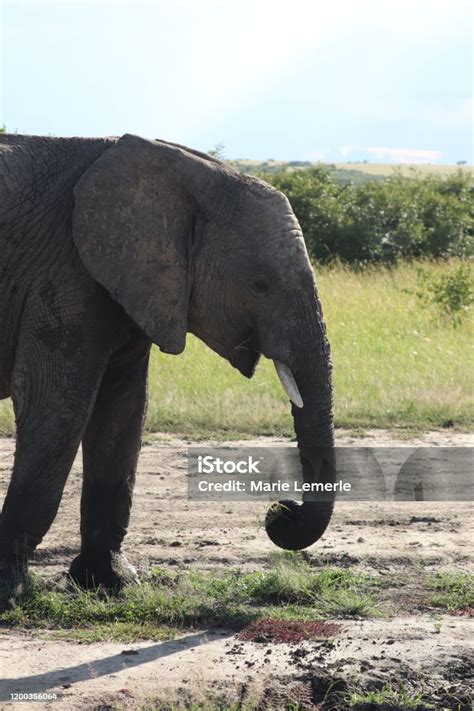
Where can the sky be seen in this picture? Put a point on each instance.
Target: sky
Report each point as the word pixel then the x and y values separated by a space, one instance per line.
pixel 386 81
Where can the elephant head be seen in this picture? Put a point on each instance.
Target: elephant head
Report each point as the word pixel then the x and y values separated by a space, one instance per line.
pixel 185 243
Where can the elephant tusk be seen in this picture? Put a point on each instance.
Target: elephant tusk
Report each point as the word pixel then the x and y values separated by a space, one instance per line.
pixel 289 383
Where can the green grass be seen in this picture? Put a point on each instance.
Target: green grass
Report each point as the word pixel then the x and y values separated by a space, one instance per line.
pixel 7 421
pixel 397 363
pixel 398 697
pixel 175 600
pixel 454 591
pixel 114 631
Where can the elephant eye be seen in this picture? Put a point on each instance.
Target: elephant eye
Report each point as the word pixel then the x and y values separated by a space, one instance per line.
pixel 261 287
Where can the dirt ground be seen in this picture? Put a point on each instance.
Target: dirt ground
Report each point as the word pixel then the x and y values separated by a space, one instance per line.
pixel 393 539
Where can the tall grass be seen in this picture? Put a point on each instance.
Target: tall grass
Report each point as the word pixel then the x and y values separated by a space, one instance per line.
pixel 397 362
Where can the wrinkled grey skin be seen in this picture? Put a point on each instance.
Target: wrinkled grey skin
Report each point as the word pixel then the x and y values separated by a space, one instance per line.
pixel 108 245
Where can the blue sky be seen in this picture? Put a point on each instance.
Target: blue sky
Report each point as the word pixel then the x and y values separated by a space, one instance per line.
pixel 382 80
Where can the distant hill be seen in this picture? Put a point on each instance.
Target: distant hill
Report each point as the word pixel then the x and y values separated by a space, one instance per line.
pixel 350 172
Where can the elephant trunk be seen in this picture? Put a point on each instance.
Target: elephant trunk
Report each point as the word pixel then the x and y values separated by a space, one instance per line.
pixel 291 525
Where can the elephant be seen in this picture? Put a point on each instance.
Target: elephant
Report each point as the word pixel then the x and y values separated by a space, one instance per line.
pixel 110 245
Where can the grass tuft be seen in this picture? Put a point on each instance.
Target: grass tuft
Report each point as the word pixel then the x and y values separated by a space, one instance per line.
pixel 393 697
pixel 455 591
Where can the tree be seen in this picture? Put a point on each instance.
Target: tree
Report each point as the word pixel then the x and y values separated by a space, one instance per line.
pixel 218 151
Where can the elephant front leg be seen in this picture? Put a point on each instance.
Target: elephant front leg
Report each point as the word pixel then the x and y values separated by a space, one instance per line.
pixel 111 446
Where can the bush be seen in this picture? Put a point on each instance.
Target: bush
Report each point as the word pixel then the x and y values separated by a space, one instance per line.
pixel 452 292
pixel 384 220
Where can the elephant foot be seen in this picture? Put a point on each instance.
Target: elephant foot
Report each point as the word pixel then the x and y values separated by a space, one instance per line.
pixel 110 570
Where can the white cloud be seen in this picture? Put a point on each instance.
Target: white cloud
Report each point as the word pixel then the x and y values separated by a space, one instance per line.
pixel 316 155
pixel 394 155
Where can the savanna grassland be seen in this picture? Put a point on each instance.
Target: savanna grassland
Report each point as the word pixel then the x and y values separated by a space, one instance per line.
pixel 377 614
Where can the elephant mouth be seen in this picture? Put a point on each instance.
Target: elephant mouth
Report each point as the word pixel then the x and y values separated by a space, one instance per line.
pixel 246 362
pixel 245 355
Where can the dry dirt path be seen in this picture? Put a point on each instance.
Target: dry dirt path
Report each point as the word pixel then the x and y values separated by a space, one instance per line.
pixel 387 538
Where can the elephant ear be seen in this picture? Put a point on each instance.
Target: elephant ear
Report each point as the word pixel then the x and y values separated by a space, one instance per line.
pixel 133 224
